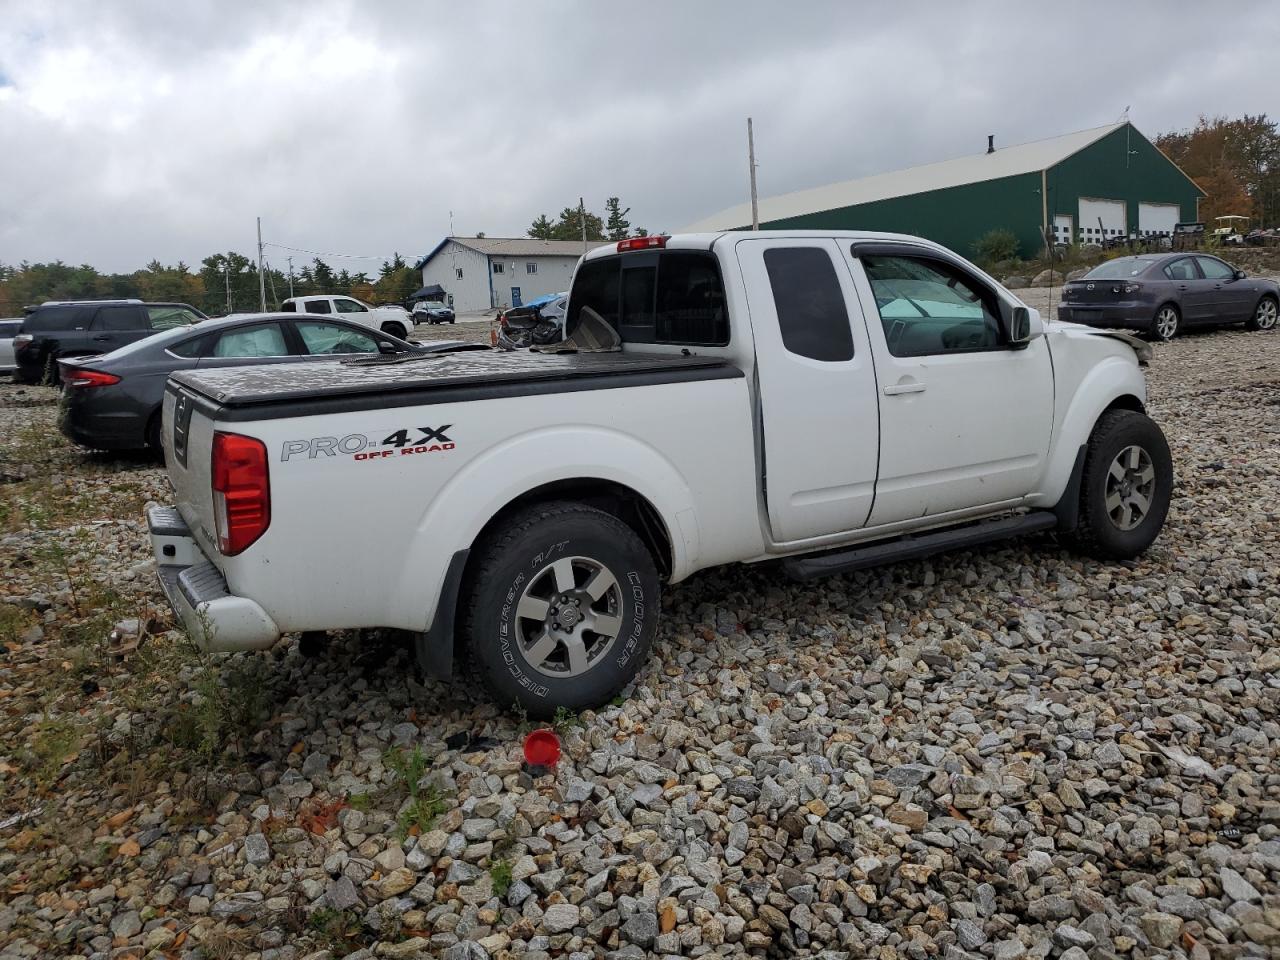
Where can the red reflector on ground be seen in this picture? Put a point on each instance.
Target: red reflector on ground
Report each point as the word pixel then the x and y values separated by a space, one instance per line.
pixel 542 748
pixel 642 243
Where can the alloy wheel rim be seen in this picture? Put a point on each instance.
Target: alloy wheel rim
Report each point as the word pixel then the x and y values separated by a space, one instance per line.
pixel 1266 315
pixel 1131 487
pixel 569 616
pixel 1167 323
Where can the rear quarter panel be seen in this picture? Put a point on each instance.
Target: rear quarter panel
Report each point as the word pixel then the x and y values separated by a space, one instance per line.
pixel 363 530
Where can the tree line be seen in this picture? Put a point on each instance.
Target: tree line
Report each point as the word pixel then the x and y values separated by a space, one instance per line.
pixel 224 283
pixel 612 226
pixel 1235 161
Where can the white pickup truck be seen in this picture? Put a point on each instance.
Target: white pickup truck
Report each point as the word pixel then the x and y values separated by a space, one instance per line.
pixel 394 321
pixel 827 400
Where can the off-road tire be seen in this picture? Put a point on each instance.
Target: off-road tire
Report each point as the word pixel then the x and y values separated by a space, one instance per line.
pixel 1096 534
pixel 1154 332
pixel 510 559
pixel 1264 315
pixel 396 330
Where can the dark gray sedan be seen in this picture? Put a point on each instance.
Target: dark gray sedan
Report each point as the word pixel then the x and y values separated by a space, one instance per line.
pixel 1159 294
pixel 112 401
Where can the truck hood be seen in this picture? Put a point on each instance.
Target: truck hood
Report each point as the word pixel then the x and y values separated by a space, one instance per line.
pixel 1078 331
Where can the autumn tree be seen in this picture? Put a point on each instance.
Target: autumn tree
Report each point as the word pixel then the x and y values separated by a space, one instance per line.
pixel 1235 161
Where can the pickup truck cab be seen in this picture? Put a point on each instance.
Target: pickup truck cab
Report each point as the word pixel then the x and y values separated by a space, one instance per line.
pixel 826 400
pixel 393 321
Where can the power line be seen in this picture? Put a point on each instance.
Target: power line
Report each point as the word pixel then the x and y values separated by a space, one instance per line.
pixel 335 256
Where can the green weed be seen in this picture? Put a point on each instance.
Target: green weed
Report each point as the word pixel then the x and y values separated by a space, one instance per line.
pixel 500 873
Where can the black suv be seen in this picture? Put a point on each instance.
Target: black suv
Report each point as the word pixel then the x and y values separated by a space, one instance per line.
pixel 82 328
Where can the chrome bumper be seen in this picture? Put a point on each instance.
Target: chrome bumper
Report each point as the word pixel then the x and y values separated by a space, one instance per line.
pixel 216 619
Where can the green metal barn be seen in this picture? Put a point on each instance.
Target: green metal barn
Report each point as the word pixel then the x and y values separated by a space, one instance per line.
pixel 1085 187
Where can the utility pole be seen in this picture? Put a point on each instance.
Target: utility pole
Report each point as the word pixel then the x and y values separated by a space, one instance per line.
pixel 226 272
pixel 751 161
pixel 262 278
pixel 290 259
pixel 582 215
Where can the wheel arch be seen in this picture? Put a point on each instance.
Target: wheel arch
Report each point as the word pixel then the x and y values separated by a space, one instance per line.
pixel 1113 384
pixel 604 467
pixel 627 504
pixel 441 644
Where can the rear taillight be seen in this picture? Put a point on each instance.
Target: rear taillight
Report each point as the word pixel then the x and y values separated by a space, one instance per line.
pixel 1132 287
pixel 22 341
pixel 241 491
pixel 642 243
pixel 79 377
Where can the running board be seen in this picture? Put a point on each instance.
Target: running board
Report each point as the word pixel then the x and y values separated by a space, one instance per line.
pixel 911 547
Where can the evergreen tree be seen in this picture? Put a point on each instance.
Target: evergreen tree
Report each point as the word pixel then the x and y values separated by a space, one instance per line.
pixel 618 227
pixel 542 228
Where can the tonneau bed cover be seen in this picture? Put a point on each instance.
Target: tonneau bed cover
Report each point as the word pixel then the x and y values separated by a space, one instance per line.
pixel 279 390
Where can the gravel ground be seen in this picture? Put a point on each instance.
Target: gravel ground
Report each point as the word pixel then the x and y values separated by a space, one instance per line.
pixel 1004 753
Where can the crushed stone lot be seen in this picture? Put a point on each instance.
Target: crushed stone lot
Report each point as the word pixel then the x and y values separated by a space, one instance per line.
pixel 1005 753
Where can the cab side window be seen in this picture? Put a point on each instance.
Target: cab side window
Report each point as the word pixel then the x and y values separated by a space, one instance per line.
pixel 317 306
pixel 350 306
pixel 929 307
pixel 812 315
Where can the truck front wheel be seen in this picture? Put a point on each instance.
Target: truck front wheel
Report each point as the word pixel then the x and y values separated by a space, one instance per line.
pixel 1126 486
pixel 561 608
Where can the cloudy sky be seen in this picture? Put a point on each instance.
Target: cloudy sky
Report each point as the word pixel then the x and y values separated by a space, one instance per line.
pixel 143 129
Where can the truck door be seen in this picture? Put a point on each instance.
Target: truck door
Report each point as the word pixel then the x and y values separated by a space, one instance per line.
pixel 965 419
pixel 817 387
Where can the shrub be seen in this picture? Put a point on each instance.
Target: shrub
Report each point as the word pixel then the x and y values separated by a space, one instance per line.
pixel 996 245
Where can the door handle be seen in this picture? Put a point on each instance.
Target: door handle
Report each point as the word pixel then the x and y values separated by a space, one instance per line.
pixel 102 336
pixel 1182 286
pixel 895 389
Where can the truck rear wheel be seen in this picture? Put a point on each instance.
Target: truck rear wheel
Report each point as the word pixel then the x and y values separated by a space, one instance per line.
pixel 561 608
pixel 1126 487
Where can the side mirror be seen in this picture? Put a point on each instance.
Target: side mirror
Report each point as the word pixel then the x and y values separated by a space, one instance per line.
pixel 386 346
pixel 1024 326
pixel 1240 274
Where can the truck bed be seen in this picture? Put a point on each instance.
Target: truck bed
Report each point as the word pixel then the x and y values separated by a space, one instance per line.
pixel 284 390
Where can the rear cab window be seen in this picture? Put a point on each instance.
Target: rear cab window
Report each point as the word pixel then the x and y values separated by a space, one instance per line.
pixel 655 296
pixel 317 306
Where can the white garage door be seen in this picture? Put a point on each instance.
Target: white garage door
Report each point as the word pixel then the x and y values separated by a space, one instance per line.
pixel 1157 218
pixel 1110 212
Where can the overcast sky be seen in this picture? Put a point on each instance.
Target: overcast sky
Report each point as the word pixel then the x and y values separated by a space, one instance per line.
pixel 135 130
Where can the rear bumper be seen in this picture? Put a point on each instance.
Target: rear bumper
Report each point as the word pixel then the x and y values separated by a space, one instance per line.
pixel 118 431
pixel 216 619
pixel 1113 316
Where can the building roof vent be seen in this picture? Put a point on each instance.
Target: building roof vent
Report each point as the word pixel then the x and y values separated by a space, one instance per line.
pixel 991 143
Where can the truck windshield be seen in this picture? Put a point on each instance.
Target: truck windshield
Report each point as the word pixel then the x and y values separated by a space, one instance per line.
pixel 672 296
